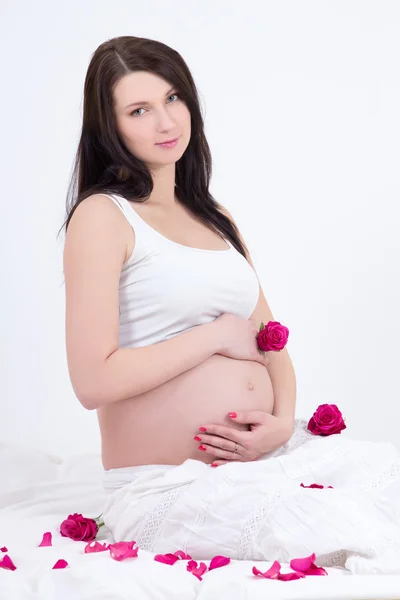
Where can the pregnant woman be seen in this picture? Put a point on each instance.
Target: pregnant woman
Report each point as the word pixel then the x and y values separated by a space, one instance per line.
pixel 200 448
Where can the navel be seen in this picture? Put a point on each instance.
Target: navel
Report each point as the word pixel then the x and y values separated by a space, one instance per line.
pixel 250 386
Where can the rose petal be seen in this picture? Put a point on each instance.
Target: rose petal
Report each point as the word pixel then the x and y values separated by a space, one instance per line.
pixel 3 549
pixel 198 571
pixel 317 485
pixel 307 566
pixel 290 576
pixel 123 550
pixel 302 564
pixel 314 570
pixel 272 573
pixel 96 547
pixel 218 561
pixel 166 559
pixel 182 556
pixel 313 485
pixel 60 564
pixel 46 540
pixel 7 563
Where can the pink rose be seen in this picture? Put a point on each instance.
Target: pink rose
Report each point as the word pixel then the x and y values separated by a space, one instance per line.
pixel 273 336
pixel 78 528
pixel 326 420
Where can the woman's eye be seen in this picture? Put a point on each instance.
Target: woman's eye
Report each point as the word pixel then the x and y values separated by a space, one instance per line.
pixel 134 112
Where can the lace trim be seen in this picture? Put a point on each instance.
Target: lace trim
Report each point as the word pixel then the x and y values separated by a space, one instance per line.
pixel 387 477
pixel 153 520
pixel 252 525
pixel 333 559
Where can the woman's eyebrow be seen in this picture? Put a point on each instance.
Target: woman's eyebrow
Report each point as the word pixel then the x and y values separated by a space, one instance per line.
pixel 145 101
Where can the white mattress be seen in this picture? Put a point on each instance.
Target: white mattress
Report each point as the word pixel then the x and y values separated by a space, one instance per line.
pixel 38 491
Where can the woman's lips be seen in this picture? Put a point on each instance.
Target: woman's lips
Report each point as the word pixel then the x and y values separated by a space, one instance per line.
pixel 169 144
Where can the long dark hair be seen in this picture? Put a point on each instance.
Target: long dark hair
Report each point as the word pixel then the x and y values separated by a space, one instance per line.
pixel 103 163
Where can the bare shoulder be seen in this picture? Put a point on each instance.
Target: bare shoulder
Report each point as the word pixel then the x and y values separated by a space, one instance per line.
pixel 97 206
pixel 98 214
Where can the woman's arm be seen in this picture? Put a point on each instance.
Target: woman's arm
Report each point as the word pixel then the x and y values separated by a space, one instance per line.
pixel 129 372
pixel 102 373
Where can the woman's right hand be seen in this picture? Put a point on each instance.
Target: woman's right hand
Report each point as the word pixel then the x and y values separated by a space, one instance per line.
pixel 237 338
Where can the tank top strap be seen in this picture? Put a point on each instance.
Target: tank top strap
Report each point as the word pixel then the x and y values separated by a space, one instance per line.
pixel 125 207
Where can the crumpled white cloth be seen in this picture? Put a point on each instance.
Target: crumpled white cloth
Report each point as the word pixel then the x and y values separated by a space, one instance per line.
pixel 259 511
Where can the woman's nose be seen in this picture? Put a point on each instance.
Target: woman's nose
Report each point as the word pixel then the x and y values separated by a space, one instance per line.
pixel 165 123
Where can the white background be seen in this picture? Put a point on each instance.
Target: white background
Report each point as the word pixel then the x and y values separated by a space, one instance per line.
pixel 301 104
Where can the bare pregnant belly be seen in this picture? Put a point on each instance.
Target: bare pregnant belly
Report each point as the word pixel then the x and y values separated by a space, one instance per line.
pixel 158 427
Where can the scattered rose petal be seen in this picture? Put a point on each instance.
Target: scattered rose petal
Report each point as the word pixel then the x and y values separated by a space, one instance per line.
pixel 3 549
pixel 290 576
pixel 7 563
pixel 46 541
pixel 60 564
pixel 171 559
pixel 198 571
pixel 307 566
pixel 166 559
pixel 218 561
pixel 182 556
pixel 315 485
pixel 123 550
pixel 272 573
pixel 95 547
pixel 314 570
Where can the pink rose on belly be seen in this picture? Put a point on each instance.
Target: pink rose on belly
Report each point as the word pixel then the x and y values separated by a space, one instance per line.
pixel 326 420
pixel 273 336
pixel 79 528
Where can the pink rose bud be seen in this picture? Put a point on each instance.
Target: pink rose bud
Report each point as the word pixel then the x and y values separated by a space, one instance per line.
pixel 79 528
pixel 327 420
pixel 273 336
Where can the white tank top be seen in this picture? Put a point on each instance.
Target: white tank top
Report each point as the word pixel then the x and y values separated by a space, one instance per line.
pixel 167 288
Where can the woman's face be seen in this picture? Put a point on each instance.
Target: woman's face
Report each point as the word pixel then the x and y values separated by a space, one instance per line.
pixel 148 112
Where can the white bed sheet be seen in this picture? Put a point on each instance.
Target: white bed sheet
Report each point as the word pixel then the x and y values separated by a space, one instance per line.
pixel 38 491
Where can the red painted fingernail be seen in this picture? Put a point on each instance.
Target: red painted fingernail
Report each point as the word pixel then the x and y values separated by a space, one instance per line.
pixel 232 415
pixel 197 438
pixel 214 465
pixel 202 448
pixel 202 429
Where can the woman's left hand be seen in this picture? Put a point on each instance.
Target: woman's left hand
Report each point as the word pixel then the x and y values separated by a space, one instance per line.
pixel 227 444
